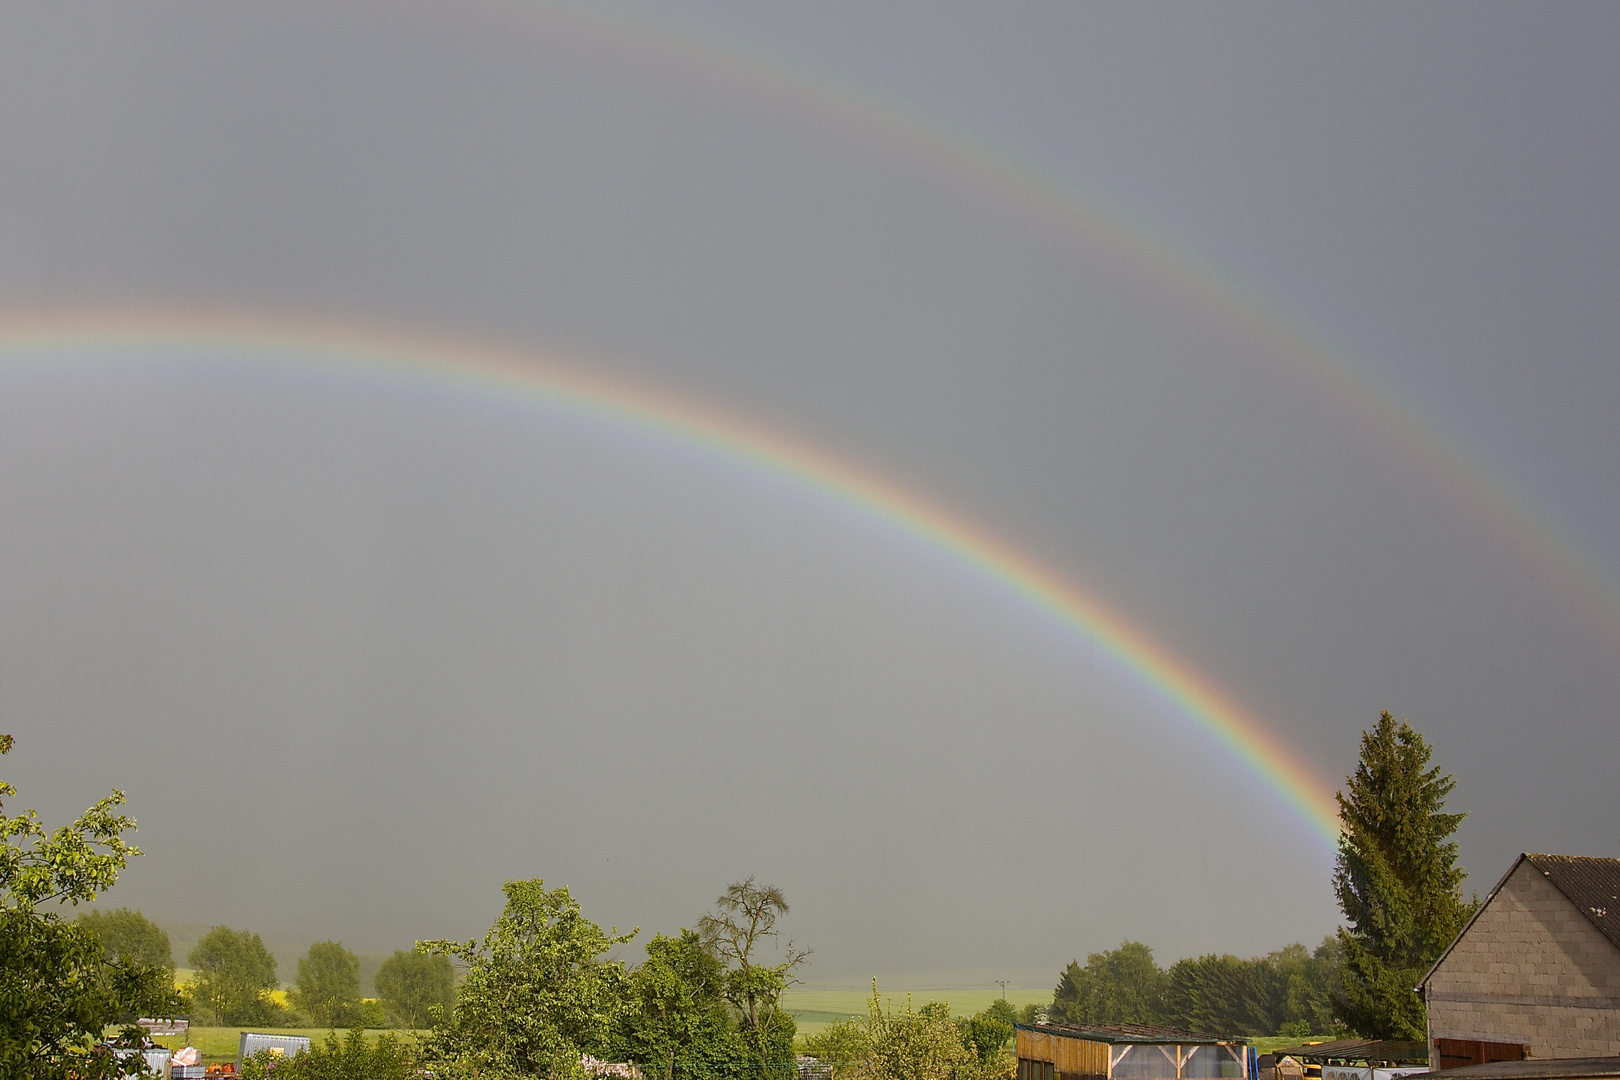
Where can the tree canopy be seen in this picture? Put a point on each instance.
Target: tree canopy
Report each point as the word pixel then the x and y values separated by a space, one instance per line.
pixel 129 935
pixel 1122 986
pixel 1290 991
pixel 986 1033
pixel 235 974
pixel 537 994
pixel 412 984
pixel 676 1022
pixel 328 985
pixel 738 932
pixel 1396 878
pixel 59 989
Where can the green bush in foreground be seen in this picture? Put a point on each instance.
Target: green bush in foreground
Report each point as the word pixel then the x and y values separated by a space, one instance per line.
pixel 917 1044
pixel 387 1058
pixel 538 993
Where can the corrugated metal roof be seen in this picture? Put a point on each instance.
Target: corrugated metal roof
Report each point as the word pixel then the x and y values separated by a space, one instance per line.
pixel 1127 1033
pixel 1358 1050
pixel 1591 884
pixel 1531 1069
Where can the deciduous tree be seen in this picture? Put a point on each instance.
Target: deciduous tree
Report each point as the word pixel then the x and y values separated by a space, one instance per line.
pixel 908 1044
pixel 738 932
pixel 328 985
pixel 986 1032
pixel 129 935
pixel 58 988
pixel 537 993
pixel 1397 880
pixel 235 974
pixel 676 1022
pixel 412 984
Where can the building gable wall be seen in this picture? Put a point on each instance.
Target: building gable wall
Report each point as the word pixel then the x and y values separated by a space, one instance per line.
pixel 1532 970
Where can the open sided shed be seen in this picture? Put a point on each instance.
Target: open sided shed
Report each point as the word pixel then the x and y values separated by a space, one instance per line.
pixel 1356 1059
pixel 1129 1052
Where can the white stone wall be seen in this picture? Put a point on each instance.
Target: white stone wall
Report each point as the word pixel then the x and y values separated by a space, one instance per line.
pixel 1532 970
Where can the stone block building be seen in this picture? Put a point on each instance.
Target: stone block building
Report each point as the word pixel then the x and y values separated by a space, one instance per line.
pixel 1536 972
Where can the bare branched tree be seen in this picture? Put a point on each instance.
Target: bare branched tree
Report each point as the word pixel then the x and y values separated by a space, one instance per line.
pixel 744 919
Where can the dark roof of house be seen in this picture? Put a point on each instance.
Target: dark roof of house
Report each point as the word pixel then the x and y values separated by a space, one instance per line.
pixel 1126 1033
pixel 1531 1069
pixel 1358 1050
pixel 1592 884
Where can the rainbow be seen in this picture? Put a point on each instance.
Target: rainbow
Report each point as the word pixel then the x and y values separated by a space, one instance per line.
pixel 510 375
pixel 1387 420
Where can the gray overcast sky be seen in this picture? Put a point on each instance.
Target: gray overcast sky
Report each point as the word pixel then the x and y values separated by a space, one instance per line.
pixel 358 651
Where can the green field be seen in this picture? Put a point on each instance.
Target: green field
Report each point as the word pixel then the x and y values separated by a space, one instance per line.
pixel 220 1043
pixel 814 1009
pixel 1266 1044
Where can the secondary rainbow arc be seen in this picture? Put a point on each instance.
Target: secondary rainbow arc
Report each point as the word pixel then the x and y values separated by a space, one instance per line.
pixel 510 374
pixel 1386 418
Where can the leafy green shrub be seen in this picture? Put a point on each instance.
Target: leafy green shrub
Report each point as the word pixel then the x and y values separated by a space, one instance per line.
pixel 372 1014
pixel 411 984
pixel 387 1058
pixel 843 1044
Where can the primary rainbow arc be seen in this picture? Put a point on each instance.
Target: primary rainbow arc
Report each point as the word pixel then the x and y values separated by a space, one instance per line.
pixel 509 374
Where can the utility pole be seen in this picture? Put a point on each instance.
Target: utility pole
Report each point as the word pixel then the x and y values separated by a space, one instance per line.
pixel 1003 984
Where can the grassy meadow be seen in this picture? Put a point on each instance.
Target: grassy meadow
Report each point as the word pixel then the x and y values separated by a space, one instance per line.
pixel 220 1043
pixel 814 1009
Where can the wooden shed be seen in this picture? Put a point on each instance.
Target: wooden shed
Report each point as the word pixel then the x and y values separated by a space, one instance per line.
pixel 1128 1052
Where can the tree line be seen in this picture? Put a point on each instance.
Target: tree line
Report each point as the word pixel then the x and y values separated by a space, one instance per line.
pixel 541 997
pixel 1398 885
pixel 236 975
pixel 1288 992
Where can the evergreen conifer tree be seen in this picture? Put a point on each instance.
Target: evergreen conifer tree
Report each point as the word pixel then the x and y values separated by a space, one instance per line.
pixel 1397 880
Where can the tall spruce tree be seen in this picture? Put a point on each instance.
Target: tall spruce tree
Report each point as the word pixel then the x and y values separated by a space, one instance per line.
pixel 1397 880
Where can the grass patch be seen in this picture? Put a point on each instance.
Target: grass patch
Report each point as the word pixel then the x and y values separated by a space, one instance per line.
pixel 219 1044
pixel 814 1009
pixel 1267 1043
pixel 823 1006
